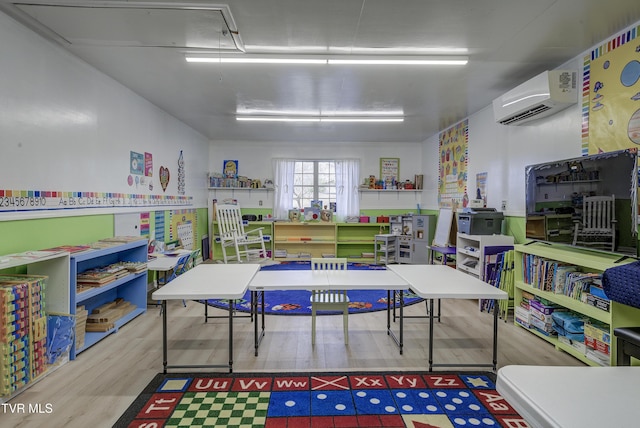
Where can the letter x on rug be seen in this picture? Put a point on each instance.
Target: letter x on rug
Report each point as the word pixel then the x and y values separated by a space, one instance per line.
pixel 321 400
pixel 296 302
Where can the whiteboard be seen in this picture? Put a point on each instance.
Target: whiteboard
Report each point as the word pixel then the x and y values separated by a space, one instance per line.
pixel 443 228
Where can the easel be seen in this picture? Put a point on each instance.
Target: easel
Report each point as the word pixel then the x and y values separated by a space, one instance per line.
pixel 444 242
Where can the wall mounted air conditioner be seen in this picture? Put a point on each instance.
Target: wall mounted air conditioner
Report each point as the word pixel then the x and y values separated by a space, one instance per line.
pixel 541 96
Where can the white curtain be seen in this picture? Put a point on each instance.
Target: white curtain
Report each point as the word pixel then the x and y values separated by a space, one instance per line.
pixel 283 170
pixel 347 179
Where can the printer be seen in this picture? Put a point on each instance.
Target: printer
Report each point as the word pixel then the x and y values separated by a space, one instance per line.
pixel 480 221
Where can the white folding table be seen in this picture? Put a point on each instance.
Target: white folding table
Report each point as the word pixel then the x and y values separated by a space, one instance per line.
pixel 322 280
pixel 572 397
pixel 442 282
pixel 206 281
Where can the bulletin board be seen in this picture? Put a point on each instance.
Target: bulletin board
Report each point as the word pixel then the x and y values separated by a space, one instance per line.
pixel 611 90
pixel 182 226
pixel 390 169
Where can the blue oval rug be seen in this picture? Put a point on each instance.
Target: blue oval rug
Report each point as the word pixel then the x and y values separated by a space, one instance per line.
pixel 296 302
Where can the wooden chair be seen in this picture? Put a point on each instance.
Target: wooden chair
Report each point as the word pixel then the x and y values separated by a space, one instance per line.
pixel 232 234
pixel 597 228
pixel 330 300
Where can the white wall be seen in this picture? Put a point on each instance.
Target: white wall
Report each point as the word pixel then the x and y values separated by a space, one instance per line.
pixel 65 126
pixel 254 161
pixel 504 151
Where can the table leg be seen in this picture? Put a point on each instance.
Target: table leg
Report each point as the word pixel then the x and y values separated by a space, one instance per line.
pixel 164 336
pixel 495 334
pixel 230 336
pixel 389 311
pixel 257 338
pixel 401 319
pixel 431 335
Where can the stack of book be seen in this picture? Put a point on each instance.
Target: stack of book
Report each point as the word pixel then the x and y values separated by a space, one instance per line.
pixel 94 278
pixel 103 318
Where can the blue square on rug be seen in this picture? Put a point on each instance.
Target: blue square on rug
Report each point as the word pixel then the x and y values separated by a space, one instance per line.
pixel 332 403
pixel 288 404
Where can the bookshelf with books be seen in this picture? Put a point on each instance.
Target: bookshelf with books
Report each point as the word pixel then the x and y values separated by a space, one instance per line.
pixel 108 288
pixel 564 280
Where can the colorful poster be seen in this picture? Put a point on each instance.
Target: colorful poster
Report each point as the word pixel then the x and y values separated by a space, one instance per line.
pixel 611 95
pixel 136 163
pixel 452 181
pixel 230 169
pixel 145 225
pixel 148 164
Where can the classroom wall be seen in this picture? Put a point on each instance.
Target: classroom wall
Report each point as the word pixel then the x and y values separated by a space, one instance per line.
pixel 504 151
pixel 254 160
pixel 64 126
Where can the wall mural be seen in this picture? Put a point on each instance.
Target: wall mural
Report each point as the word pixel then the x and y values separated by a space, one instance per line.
pixel 611 95
pixel 452 181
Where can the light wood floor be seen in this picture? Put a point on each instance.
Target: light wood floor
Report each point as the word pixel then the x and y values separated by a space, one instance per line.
pixel 96 388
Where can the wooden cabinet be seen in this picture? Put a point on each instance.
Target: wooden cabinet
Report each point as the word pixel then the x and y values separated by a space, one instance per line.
pixel 132 287
pixel 298 240
pixel 619 315
pixel 470 251
pixel 551 227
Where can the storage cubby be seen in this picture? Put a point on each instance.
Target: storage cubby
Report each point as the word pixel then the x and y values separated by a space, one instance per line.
pixel 303 240
pixel 470 251
pixel 619 315
pixel 356 241
pixel 132 287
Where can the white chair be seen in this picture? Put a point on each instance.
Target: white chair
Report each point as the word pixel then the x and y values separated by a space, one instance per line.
pixel 597 228
pixel 232 234
pixel 330 300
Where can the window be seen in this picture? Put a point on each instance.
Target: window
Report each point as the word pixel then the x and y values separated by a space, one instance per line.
pixel 314 180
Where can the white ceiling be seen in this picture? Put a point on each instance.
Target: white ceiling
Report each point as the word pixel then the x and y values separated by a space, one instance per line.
pixel 142 44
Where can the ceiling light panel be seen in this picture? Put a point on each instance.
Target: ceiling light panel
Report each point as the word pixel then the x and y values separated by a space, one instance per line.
pixel 134 24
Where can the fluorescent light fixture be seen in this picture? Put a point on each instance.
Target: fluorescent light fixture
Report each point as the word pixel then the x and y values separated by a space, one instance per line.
pixel 241 60
pixel 331 60
pixel 318 119
pixel 382 61
pixel 361 119
pixel 242 111
pixel 278 119
pixel 355 50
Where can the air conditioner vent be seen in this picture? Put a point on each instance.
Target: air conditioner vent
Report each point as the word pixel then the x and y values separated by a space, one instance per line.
pixel 527 114
pixel 541 96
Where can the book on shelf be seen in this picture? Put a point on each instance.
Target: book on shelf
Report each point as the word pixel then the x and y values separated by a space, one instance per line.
pixel 93 277
pixel 70 248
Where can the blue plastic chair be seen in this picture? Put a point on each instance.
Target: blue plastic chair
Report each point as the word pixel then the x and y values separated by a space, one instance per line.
pixel 181 267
